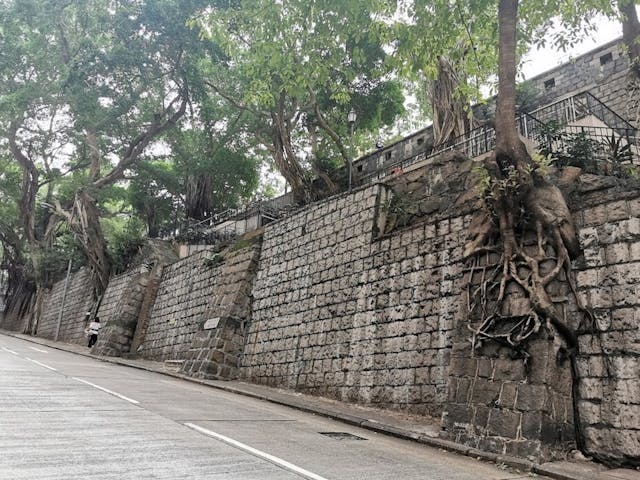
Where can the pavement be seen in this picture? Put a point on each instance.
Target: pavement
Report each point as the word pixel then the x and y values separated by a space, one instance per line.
pixel 408 427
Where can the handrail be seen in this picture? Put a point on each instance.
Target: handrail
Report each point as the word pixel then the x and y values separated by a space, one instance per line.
pixel 579 106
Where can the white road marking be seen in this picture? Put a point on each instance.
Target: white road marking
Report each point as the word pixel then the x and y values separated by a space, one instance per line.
pixel 41 364
pixel 38 349
pixel 10 351
pixel 257 453
pixel 110 392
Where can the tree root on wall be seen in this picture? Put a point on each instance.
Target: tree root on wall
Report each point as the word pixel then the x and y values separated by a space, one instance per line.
pixel 523 241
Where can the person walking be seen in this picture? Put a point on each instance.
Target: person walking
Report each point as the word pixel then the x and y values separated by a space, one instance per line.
pixel 92 331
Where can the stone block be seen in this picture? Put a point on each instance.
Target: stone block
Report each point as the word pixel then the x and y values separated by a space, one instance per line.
pixel 590 412
pixel 508 394
pixel 457 417
pixel 531 397
pixel 531 425
pixel 503 423
pixel 481 417
pixel 507 369
pixel 551 431
pixel 623 367
pixel 617 211
pixel 485 392
pixel 617 253
pixel 463 367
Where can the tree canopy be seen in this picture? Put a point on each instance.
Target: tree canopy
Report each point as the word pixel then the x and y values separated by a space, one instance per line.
pixel 127 118
pixel 298 67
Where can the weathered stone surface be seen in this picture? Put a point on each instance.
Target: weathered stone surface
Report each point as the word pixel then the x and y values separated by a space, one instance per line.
pixel 221 341
pixel 338 311
pixel 78 301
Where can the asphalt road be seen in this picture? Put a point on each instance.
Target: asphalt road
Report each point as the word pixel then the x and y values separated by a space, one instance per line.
pixel 65 416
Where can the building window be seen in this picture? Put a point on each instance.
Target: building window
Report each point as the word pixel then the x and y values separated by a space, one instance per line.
pixel 549 84
pixel 606 58
pixel 420 141
pixel 388 156
pixel 360 168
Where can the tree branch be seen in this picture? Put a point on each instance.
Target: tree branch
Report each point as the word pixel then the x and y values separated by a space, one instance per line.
pixel 139 143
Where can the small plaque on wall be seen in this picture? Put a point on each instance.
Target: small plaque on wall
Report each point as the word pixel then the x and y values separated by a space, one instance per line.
pixel 211 323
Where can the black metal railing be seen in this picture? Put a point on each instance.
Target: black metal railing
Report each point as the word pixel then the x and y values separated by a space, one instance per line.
pixel 541 126
pixel 227 224
pixel 578 107
pixel 598 150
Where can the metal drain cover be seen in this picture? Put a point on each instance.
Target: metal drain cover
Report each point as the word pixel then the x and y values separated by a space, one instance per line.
pixel 341 436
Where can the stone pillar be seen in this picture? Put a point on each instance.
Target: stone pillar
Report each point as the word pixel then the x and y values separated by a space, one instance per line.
pixel 217 347
pixel 150 294
pixel 119 327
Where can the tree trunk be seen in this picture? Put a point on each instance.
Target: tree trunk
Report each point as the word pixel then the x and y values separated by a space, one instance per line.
pixel 198 196
pixel 631 38
pixel 510 151
pixel 19 295
pixel 522 203
pixel 29 187
pixel 631 33
pixel 286 161
pixel 450 118
pixel 85 222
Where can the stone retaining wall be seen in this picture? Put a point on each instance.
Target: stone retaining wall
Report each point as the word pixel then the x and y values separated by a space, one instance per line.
pixel 218 345
pixel 78 301
pixel 342 313
pixel 363 297
pixel 119 310
pixel 609 281
pixel 181 302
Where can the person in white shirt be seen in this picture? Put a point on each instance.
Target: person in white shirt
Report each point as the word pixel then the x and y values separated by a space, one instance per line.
pixel 92 331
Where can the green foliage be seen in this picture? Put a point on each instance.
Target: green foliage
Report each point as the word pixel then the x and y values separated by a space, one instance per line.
pixel 86 89
pixel 243 243
pixel 154 195
pixel 282 57
pixel 82 82
pixel 483 179
pixel 467 34
pixel 617 149
pixel 125 238
pixel 581 151
pixel 542 162
pixel 214 260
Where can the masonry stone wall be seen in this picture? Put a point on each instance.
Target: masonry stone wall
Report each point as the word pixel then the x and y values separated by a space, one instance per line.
pixel 119 310
pixel 182 300
pixel 609 280
pixel 602 71
pixel 507 403
pixel 116 289
pixel 218 345
pixel 355 302
pixel 343 312
pixel 79 300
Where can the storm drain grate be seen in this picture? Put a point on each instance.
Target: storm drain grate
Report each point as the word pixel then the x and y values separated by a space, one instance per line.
pixel 341 436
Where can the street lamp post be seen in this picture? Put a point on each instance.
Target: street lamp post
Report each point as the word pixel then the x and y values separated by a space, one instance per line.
pixel 351 118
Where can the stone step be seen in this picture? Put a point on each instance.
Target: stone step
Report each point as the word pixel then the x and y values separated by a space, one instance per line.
pixel 173 365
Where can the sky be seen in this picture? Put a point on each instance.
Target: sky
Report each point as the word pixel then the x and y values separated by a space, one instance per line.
pixel 541 60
